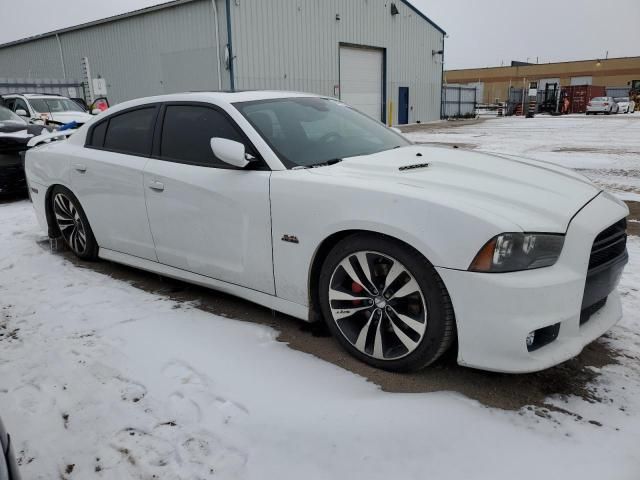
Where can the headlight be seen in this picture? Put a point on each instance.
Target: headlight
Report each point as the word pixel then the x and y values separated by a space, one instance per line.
pixel 512 252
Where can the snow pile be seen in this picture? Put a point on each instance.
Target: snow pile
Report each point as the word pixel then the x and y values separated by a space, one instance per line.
pixel 102 380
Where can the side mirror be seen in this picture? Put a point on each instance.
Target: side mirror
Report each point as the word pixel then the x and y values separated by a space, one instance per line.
pixel 96 111
pixel 229 152
pixel 22 112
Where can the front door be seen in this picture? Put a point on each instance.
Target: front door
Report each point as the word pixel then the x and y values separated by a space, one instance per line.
pixel 403 105
pixel 207 217
pixel 107 178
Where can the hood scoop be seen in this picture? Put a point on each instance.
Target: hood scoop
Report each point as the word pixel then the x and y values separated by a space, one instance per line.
pixel 416 166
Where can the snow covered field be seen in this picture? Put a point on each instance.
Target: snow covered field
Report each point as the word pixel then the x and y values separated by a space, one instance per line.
pixel 99 379
pixel 606 149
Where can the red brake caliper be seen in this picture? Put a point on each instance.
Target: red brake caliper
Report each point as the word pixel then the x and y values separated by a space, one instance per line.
pixel 356 288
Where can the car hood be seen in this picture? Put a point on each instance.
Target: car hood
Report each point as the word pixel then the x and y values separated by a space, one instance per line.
pixel 68 117
pixel 533 195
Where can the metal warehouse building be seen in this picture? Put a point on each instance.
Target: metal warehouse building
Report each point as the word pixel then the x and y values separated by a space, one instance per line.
pixel 383 57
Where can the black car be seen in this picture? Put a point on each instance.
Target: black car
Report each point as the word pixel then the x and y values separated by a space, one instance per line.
pixel 8 466
pixel 15 133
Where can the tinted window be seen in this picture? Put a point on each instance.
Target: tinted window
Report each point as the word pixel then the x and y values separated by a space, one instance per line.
pixel 187 132
pixel 131 132
pixel 98 134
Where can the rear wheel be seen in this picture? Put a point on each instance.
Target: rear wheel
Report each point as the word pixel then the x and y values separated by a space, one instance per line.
pixel 385 303
pixel 73 224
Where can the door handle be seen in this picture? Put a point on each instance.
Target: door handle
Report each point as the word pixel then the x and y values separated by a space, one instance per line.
pixel 80 168
pixel 157 186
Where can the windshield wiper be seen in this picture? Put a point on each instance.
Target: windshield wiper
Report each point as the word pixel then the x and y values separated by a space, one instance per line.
pixel 319 164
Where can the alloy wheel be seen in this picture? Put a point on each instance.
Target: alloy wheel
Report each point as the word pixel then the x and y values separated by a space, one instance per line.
pixel 70 223
pixel 377 305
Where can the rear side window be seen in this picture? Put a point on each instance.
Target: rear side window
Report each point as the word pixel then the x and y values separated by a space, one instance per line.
pixel 187 132
pixel 97 135
pixel 131 132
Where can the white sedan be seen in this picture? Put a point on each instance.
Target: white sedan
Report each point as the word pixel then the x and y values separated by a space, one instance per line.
pixel 306 206
pixel 625 105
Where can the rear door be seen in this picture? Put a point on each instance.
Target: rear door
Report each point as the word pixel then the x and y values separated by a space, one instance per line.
pixel 107 177
pixel 206 216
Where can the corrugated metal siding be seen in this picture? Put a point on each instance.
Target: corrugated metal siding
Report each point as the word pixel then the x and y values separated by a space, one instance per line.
pixel 279 44
pixel 37 59
pixel 294 45
pixel 162 51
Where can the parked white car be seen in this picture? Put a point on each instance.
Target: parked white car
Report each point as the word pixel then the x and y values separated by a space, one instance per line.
pixel 54 109
pixel 625 105
pixel 606 105
pixel 306 206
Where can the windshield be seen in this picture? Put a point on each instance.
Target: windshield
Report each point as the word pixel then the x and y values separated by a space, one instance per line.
pixel 54 105
pixel 621 99
pixel 7 115
pixel 310 131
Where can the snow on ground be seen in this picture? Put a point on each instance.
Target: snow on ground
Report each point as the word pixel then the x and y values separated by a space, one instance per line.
pixel 99 379
pixel 102 380
pixel 604 148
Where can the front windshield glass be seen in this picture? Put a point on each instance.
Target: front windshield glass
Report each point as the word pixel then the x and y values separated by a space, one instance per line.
pixel 54 105
pixel 622 99
pixel 7 115
pixel 309 131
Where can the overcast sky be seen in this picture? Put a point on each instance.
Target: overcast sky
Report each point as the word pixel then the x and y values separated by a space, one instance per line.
pixel 481 32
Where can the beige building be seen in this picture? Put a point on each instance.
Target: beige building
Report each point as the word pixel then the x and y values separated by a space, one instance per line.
pixel 495 82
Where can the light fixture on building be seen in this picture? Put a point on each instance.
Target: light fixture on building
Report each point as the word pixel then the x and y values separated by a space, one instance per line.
pixel 437 52
pixel 394 9
pixel 598 63
pixel 338 17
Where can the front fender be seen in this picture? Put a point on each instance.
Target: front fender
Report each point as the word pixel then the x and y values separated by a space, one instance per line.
pixel 310 209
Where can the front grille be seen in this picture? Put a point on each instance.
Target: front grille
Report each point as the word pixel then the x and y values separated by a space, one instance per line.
pixel 609 245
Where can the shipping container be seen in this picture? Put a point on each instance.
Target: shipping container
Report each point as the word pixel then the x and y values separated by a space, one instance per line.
pixel 580 95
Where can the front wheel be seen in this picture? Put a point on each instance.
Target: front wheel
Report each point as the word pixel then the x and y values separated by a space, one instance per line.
pixel 73 224
pixel 385 303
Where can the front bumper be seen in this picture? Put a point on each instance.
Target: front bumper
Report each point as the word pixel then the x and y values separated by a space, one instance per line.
pixel 496 312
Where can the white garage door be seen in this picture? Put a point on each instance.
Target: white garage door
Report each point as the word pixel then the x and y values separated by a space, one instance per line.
pixel 361 79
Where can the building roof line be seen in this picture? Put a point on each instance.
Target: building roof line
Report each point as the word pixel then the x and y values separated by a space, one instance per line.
pixel 120 16
pixel 153 8
pixel 415 9
pixel 543 64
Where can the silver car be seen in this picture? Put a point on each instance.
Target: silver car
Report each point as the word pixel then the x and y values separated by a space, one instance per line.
pixel 606 105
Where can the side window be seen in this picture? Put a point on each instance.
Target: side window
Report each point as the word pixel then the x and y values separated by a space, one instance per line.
pixel 131 132
pixel 187 132
pixel 9 103
pixel 20 105
pixel 97 134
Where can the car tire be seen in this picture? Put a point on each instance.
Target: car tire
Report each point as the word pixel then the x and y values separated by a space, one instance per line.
pixel 397 333
pixel 72 223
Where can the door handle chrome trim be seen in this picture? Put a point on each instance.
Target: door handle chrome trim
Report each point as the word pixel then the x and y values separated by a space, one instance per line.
pixel 157 186
pixel 80 168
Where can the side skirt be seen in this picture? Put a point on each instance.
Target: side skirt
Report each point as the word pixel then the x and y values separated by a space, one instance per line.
pixel 289 308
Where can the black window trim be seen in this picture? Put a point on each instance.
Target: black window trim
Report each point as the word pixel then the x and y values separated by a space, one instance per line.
pixel 259 164
pixel 89 138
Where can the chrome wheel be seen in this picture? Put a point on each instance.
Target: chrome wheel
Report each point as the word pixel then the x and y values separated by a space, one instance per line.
pixel 70 223
pixel 377 305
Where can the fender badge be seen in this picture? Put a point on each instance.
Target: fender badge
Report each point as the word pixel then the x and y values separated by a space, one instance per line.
pixel 290 238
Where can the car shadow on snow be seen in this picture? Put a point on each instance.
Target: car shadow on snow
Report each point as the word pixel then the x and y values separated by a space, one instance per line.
pixel 511 392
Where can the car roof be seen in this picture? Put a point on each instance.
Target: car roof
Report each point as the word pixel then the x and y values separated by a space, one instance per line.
pixel 33 95
pixel 220 97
